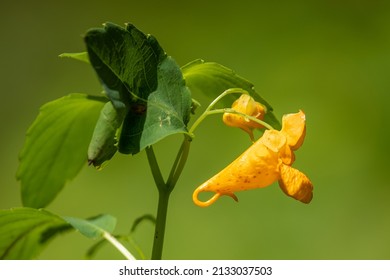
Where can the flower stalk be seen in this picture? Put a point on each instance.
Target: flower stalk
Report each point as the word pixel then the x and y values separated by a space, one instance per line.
pixel 210 111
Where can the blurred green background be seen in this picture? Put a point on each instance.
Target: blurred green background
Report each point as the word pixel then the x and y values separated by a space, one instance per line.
pixel 328 58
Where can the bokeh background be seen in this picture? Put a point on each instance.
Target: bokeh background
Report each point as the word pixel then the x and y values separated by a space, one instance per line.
pixel 328 58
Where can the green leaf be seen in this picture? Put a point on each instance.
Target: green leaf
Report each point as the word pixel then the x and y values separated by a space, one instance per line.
pixel 125 60
pixel 100 226
pixel 137 74
pixel 24 232
pixel 93 227
pixel 168 111
pixel 56 147
pixel 211 79
pixel 81 56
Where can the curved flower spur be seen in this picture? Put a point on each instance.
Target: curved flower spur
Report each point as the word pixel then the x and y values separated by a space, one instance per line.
pixel 268 160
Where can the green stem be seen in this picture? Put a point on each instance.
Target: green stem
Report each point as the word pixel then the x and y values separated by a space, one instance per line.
pixel 164 190
pixel 222 111
pixel 212 104
pixel 179 163
pixel 162 208
pixel 209 111
pixel 159 232
pixel 156 172
pixel 175 164
pixel 223 94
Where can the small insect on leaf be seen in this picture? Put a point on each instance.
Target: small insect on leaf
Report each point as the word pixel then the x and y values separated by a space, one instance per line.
pixel 138 109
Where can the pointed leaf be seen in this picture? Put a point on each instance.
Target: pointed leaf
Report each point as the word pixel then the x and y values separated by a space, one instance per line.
pixel 24 232
pixel 211 79
pixel 56 146
pixel 93 227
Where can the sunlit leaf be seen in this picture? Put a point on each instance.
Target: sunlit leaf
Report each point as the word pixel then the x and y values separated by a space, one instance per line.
pixel 93 227
pixel 56 146
pixel 211 79
pixel 24 232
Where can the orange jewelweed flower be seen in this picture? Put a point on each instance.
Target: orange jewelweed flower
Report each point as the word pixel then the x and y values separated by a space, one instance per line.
pixel 247 105
pixel 268 160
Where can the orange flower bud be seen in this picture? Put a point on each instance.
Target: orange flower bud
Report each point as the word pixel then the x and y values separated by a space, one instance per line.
pixel 246 105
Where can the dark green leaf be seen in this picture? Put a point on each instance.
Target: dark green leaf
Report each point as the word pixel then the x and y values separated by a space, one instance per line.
pixel 56 147
pixel 93 227
pixel 125 60
pixel 211 79
pixel 168 111
pixel 137 74
pixel 24 232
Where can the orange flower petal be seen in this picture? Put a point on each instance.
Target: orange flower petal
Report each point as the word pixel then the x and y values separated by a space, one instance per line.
pixel 266 161
pixel 294 127
pixel 273 140
pixel 295 184
pixel 257 167
pixel 277 142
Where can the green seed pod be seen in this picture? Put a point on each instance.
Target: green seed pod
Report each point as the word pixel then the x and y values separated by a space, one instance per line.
pixel 103 144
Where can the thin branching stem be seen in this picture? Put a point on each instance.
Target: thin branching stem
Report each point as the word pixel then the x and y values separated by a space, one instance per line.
pixel 164 191
pixel 156 172
pixel 210 107
pixel 179 163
